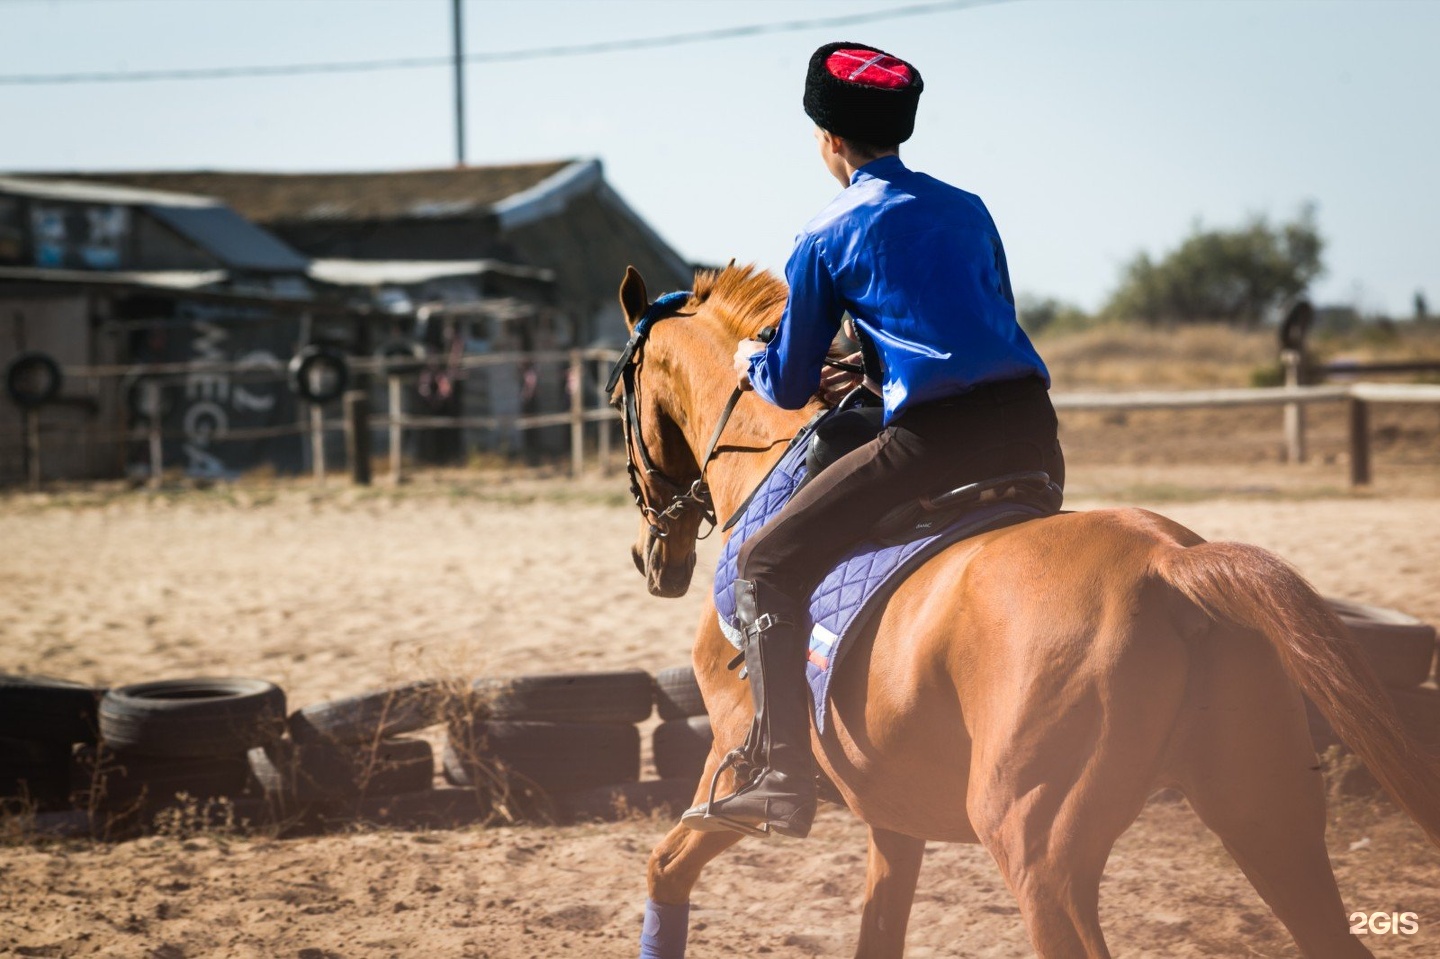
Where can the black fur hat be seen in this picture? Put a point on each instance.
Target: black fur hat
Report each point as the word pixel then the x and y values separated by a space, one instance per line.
pixel 860 93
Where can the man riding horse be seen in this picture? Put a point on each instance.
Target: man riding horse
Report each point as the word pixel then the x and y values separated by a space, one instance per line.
pixel 919 267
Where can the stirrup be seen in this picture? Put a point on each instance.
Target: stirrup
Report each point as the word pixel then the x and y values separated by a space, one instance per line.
pixel 709 821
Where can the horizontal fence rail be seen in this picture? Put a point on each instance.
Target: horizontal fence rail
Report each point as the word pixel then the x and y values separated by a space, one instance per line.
pixel 395 421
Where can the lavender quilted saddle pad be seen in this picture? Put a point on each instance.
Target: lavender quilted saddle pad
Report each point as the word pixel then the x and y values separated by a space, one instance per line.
pixel 859 583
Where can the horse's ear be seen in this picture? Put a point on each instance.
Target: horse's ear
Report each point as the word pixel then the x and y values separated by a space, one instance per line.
pixel 633 299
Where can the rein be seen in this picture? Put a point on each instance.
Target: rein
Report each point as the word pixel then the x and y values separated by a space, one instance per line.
pixel 626 370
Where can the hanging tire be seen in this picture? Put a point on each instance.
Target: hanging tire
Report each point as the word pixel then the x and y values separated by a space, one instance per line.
pixel 105 779
pixel 34 775
pixel 1399 647
pixel 681 748
pixel 192 717
pixel 33 379
pixel 677 694
pixel 625 696
pixel 325 772
pixel 319 374
pixel 553 757
pixel 374 716
pixel 48 710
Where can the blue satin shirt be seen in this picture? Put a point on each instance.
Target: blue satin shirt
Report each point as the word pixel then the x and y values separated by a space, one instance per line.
pixel 919 265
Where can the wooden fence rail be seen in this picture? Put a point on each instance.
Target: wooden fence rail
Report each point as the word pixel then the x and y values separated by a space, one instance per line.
pixel 395 421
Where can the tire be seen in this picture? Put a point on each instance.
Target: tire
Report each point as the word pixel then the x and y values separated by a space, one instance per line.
pixel 677 694
pixel 34 774
pixel 554 758
pixel 321 773
pixel 609 803
pixel 1419 711
pixel 1399 647
pixel 179 718
pixel 33 379
pixel 106 779
pixel 626 696
pixel 307 366
pixel 373 716
pixel 48 710
pixel 681 747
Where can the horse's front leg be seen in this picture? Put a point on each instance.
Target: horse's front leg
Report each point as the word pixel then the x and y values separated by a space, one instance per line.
pixel 675 866
pixel 890 876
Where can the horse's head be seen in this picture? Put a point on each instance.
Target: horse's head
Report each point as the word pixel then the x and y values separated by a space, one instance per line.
pixel 663 467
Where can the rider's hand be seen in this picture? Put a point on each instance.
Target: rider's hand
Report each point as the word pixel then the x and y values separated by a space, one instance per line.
pixel 835 384
pixel 743 352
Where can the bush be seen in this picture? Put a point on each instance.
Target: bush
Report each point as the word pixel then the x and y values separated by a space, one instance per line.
pixel 1235 276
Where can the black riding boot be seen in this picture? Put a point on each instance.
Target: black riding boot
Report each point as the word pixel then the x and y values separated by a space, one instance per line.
pixel 779 795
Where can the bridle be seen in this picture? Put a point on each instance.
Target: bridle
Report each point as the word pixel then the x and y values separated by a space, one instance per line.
pixel 681 498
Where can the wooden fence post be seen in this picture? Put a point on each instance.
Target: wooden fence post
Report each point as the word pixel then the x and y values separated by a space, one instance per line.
pixel 317 441
pixel 1359 443
pixel 32 447
pixel 1294 412
pixel 577 414
pixel 602 436
pixel 397 429
pixel 357 436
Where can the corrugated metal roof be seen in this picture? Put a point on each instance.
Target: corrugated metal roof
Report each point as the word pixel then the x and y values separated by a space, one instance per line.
pixel 160 279
pixel 230 238
pixel 404 272
pixel 303 197
pixel 71 191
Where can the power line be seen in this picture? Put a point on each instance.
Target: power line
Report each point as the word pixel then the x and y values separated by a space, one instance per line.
pixel 497 56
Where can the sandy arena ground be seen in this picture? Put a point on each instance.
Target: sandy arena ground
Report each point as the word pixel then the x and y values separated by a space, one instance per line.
pixel 330 593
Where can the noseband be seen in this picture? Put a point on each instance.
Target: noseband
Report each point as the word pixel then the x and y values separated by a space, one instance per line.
pixel 682 498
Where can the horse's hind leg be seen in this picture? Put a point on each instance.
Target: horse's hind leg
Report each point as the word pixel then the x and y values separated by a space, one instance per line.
pixel 1250 774
pixel 890 879
pixel 1058 775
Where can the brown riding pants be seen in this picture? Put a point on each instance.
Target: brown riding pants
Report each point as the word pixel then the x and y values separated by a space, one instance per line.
pixel 995 429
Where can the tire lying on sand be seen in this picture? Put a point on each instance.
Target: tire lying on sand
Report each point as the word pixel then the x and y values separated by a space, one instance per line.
pixel 1399 647
pixel 1419 711
pixel 41 709
pixel 291 774
pixel 553 758
pixel 375 716
pixel 677 694
pixel 624 696
pixel 192 717
pixel 681 747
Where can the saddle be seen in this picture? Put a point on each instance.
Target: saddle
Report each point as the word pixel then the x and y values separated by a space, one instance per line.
pixel 858 420
pixel 881 558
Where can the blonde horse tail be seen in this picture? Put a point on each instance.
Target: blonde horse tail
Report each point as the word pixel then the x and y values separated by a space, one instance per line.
pixel 1253 588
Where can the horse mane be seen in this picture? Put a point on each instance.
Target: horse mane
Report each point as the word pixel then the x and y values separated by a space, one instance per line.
pixel 745 298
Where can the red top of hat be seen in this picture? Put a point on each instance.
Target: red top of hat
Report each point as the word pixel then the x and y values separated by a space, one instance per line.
pixel 869 68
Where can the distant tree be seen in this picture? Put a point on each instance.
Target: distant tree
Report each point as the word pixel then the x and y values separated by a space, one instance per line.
pixel 1048 315
pixel 1230 275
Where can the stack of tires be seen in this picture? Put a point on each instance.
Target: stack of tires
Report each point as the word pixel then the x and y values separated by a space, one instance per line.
pixel 682 741
pixel 1402 651
pixel 349 757
pixel 41 721
pixel 559 746
pixel 176 743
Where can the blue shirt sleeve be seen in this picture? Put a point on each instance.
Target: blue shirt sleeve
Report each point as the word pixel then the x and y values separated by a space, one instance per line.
pixel 787 371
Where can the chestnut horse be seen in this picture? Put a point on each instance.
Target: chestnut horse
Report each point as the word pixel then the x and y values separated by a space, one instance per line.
pixel 1027 689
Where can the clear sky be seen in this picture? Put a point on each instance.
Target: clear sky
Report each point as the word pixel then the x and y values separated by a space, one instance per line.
pixel 1091 129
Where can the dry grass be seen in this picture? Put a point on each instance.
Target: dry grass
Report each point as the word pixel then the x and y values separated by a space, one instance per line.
pixel 1134 356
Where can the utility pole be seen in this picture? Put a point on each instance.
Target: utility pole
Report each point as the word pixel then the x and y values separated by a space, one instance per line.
pixel 459 82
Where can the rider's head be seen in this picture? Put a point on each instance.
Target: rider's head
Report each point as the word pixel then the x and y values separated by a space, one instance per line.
pixel 863 103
